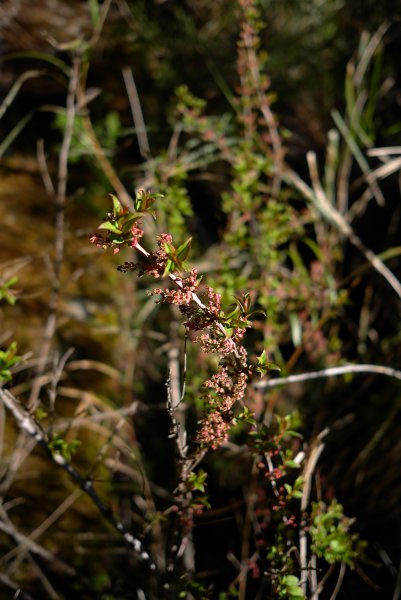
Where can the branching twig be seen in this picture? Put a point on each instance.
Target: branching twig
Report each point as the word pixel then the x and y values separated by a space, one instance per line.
pixel 195 297
pixel 28 543
pixel 28 425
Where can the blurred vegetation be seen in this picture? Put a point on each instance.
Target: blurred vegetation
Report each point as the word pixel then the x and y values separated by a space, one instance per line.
pixel 272 131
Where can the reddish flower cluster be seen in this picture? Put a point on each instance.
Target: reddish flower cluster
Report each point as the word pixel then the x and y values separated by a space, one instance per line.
pixel 137 233
pixel 227 386
pixel 182 296
pixel 100 241
pixel 155 264
pixel 105 242
pixel 214 341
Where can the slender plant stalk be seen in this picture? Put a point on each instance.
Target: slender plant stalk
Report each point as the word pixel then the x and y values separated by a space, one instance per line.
pixel 329 372
pixel 60 199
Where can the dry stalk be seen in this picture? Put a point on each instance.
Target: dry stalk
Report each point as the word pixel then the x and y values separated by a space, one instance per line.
pixel 137 115
pixel 329 372
pixel 309 470
pixel 60 199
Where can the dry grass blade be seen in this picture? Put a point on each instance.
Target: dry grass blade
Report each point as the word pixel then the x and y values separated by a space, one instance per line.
pixel 319 199
pixel 25 543
pixel 28 426
pixel 9 99
pixel 137 114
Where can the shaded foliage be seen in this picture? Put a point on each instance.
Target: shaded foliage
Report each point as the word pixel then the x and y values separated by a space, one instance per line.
pixel 213 105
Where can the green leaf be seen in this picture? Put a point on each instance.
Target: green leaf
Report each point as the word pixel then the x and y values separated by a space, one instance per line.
pixel 169 268
pixel 40 414
pixel 262 358
pixel 272 366
pixel 184 250
pixel 169 249
pixel 197 480
pixel 16 130
pixel 94 11
pixel 292 464
pixel 8 100
pixel 246 417
pixel 129 222
pixel 295 592
pixel 116 204
pixel 293 433
pixel 109 226
pixel 45 56
pixel 10 282
pixel 8 358
pixel 290 580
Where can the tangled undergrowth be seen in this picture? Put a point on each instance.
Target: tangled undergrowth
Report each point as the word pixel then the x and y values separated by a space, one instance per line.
pixel 198 421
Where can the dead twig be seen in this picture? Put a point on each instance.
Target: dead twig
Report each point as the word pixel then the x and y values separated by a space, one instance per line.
pixel 60 198
pixel 329 372
pixel 28 425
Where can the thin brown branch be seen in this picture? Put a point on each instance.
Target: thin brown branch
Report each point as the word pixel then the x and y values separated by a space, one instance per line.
pixel 28 425
pixel 264 104
pixel 60 199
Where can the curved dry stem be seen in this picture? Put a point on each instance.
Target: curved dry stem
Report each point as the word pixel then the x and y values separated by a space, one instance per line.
pixel 330 372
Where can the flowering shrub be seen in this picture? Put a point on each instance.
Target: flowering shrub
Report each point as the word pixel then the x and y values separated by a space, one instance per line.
pixel 283 499
pixel 169 439
pixel 215 332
